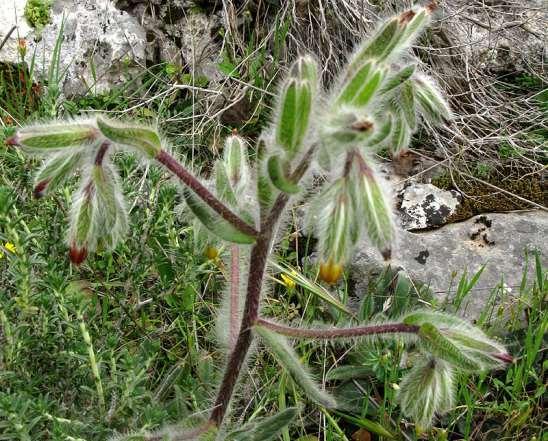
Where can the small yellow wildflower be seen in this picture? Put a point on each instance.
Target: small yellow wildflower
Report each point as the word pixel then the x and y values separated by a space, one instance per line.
pixel 288 281
pixel 10 247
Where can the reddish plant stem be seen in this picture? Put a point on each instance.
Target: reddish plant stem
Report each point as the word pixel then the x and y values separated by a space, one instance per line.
pixel 327 334
pixel 258 258
pixel 234 295
pixel 209 198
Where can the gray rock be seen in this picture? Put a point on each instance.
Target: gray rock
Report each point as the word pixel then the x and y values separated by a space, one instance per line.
pixel 439 258
pixel 426 206
pixel 101 47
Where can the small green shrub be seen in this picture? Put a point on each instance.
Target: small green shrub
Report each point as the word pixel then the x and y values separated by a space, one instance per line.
pixel 38 13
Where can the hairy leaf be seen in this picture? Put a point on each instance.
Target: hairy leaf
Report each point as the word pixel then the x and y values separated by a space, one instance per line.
pixel 214 222
pixel 286 357
pixel 143 139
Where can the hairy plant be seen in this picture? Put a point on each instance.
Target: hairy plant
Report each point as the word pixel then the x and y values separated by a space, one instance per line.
pixel 378 102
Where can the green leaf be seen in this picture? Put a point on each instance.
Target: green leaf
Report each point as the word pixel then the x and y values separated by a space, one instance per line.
pixel 381 44
pixel 360 88
pixel 349 372
pixel 276 170
pixel 286 357
pixel 144 139
pixel 367 424
pixel 401 134
pixel 214 222
pixel 235 161
pixel 398 78
pixel 425 390
pixel 432 105
pixel 407 103
pixel 375 212
pixel 264 429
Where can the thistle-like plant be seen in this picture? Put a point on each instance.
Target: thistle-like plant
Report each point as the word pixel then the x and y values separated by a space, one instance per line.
pixel 378 102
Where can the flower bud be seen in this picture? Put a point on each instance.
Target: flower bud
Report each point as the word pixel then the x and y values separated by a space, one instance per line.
pixel 211 252
pixel 296 100
pixel 49 138
pixel 235 161
pixel 330 272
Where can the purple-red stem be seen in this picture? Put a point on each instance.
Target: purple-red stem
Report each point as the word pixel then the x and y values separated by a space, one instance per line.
pixel 209 198
pixel 329 333
pixel 234 295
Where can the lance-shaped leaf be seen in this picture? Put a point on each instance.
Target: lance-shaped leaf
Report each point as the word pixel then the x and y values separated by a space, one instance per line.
pixel 112 222
pixel 54 137
pixel 398 78
pixel 413 22
pixel 264 429
pixel 265 190
pixel 401 134
pixel 55 171
pixel 407 104
pixel 432 105
pixel 426 390
pixel 235 161
pixel 381 44
pixel 277 170
pixel 286 357
pixel 374 209
pixel 361 86
pixel 296 101
pixel 143 139
pixel 214 222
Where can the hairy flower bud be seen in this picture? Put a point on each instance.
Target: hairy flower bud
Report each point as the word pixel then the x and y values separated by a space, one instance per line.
pixel 296 101
pixel 235 161
pixel 457 342
pixel 53 137
pixel 373 208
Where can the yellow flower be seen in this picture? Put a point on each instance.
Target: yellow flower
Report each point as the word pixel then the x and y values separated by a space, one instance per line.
pixel 10 247
pixel 288 281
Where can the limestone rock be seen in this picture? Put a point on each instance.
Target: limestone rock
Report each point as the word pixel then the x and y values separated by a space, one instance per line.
pixel 439 257
pixel 102 46
pixel 425 205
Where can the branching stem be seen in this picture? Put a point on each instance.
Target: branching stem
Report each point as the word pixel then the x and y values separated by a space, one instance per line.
pixel 258 259
pixel 331 333
pixel 209 198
